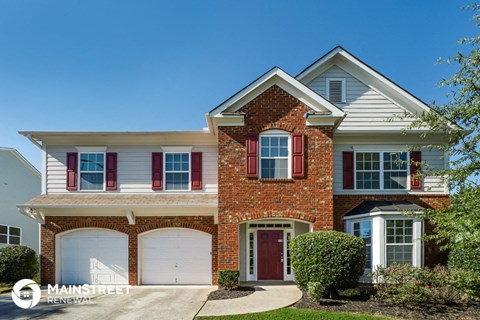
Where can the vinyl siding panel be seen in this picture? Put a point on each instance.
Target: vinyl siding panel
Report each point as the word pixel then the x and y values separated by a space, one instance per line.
pixel 365 107
pixel 133 168
pixel 431 184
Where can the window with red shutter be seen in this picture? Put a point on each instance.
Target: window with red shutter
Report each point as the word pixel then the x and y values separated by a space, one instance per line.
pixel 415 159
pixel 298 157
pixel 72 171
pixel 197 183
pixel 348 170
pixel 111 170
pixel 157 171
pixel 252 156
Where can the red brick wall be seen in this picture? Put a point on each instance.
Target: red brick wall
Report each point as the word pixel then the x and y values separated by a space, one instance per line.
pixel 56 225
pixel 241 199
pixel 433 255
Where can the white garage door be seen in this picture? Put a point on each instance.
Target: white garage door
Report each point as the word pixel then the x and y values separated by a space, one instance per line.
pixel 94 257
pixel 176 256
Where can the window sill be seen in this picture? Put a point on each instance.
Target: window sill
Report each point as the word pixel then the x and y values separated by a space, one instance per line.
pixel 273 180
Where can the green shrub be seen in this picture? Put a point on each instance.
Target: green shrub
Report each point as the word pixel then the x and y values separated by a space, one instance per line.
pixel 467 282
pixel 315 290
pixel 404 284
pixel 465 256
pixel 398 284
pixel 333 259
pixel 228 279
pixel 17 262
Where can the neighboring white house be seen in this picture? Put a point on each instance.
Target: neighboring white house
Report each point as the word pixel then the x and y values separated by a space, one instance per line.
pixel 19 182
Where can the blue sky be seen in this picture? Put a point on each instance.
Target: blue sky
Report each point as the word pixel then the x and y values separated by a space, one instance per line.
pixel 152 65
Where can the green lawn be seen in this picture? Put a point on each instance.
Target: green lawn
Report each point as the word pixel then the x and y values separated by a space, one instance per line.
pixel 4 289
pixel 302 314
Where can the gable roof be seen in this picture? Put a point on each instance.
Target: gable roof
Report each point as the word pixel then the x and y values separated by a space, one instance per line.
pixel 365 74
pixel 22 159
pixel 276 76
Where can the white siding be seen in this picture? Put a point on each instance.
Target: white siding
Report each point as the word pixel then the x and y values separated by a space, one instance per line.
pixel 134 171
pixel 365 107
pixel 431 184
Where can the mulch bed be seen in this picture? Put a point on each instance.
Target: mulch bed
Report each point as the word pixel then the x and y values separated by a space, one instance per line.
pixel 363 304
pixel 222 294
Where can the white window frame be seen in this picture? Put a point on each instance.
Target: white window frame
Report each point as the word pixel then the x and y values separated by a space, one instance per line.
pixel 399 244
pixel 8 234
pixel 382 171
pixel 352 231
pixel 189 170
pixel 275 133
pixel 344 88
pixel 80 171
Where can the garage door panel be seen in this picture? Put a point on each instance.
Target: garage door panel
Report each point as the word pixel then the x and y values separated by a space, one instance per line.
pixel 176 256
pixel 94 257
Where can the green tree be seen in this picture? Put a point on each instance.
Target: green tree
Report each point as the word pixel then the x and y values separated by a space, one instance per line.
pixel 459 119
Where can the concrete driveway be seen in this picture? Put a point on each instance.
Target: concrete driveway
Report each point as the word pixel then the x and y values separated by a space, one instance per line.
pixel 143 302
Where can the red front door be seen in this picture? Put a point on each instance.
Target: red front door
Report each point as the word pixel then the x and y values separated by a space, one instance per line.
pixel 270 254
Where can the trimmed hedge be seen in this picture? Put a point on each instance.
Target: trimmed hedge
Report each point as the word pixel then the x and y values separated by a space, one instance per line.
pixel 331 260
pixel 17 262
pixel 228 279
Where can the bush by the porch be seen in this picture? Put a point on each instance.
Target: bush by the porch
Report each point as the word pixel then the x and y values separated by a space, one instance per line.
pixel 329 260
pixel 17 262
pixel 228 279
pixel 405 284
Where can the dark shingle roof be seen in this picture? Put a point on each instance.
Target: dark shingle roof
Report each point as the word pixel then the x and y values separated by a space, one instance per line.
pixel 383 206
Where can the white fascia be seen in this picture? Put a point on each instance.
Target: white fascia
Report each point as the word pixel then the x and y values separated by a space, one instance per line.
pixel 277 76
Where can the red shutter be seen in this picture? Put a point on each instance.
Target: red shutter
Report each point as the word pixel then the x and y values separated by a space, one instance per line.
pixel 197 171
pixel 111 170
pixel 72 170
pixel 157 171
pixel 415 181
pixel 348 170
pixel 252 156
pixel 298 155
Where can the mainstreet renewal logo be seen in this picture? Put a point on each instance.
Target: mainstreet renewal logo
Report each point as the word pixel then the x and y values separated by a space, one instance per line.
pixel 26 302
pixel 80 294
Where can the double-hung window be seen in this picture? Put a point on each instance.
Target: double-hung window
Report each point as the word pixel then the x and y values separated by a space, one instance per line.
pixel 399 241
pixel 368 170
pixel 92 171
pixel 177 171
pixel 363 229
pixel 274 156
pixel 10 235
pixel 381 170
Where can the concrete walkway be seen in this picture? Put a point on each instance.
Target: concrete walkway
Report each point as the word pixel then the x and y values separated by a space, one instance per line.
pixel 266 297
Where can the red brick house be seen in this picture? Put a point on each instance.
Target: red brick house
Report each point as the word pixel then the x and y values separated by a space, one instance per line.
pixel 284 156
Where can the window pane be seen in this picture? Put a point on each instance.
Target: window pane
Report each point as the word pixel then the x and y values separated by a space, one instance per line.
pixel 395 180
pixel 176 181
pixel 274 168
pixel 14 240
pixel 91 181
pixel 363 230
pixel 14 231
pixel 3 238
pixel 3 229
pixel 399 254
